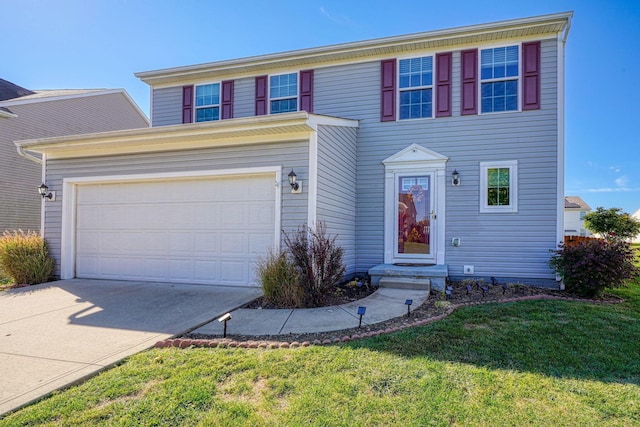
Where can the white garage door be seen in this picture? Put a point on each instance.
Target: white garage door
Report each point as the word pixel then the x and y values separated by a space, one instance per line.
pixel 208 231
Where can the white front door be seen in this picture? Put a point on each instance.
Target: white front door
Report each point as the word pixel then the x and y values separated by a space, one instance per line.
pixel 414 207
pixel 415 217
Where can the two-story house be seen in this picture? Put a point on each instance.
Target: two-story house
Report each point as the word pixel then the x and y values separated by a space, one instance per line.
pixel 575 210
pixel 438 153
pixel 26 114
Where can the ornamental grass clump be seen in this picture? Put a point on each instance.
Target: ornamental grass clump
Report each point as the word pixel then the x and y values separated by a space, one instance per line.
pixel 592 266
pixel 280 281
pixel 24 257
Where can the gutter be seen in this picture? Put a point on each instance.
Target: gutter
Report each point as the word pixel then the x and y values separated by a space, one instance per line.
pixel 28 156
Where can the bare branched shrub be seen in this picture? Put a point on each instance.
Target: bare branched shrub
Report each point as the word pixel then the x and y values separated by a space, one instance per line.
pixel 318 260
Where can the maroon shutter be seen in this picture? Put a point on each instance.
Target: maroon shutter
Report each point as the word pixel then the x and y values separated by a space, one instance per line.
pixel 388 89
pixel 531 76
pixel 187 104
pixel 227 100
pixel 469 82
pixel 306 91
pixel 443 84
pixel 261 95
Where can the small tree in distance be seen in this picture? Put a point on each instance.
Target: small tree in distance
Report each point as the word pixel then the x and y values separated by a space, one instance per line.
pixel 612 224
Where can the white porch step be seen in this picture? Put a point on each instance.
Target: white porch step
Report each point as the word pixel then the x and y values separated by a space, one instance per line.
pixel 405 283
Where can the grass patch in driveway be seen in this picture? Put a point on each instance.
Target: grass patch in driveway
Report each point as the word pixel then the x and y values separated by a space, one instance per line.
pixel 526 363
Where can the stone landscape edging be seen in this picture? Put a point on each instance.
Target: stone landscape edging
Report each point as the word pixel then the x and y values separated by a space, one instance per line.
pixel 266 344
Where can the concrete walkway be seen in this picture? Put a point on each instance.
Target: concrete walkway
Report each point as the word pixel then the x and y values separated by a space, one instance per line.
pixel 56 334
pixel 384 304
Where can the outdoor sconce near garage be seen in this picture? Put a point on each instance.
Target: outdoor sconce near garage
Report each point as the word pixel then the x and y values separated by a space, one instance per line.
pixel 296 186
pixel 455 178
pixel 45 193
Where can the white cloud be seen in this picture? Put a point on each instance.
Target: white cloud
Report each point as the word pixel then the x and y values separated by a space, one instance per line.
pixel 622 181
pixel 338 19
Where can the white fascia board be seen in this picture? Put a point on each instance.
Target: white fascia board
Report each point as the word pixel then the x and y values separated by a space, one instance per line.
pixel 545 24
pixel 241 131
pixel 7 115
pixel 20 101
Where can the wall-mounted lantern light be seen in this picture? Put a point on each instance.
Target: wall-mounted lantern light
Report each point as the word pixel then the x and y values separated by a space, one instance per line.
pixel 455 178
pixel 43 190
pixel 296 186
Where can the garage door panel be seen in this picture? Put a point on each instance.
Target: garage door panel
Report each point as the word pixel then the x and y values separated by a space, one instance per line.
pixel 195 231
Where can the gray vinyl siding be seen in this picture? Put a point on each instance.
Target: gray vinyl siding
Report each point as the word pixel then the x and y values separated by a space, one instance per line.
pixel 244 97
pixel 19 177
pixel 513 245
pixel 288 155
pixel 336 192
pixel 167 106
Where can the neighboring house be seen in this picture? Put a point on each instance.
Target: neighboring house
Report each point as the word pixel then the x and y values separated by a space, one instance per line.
pixel 574 211
pixel 431 154
pixel 636 215
pixel 27 114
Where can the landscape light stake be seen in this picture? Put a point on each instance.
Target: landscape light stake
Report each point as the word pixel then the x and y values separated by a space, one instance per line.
pixel 361 311
pixel 224 319
pixel 408 304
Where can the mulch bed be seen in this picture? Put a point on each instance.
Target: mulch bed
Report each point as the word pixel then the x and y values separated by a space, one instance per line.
pixel 436 307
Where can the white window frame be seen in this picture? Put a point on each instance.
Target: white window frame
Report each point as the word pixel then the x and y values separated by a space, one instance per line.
pixel 512 165
pixel 518 78
pixel 399 90
pixel 200 107
pixel 282 98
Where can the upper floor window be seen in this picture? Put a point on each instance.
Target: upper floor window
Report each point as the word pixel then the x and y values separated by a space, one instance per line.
pixel 499 72
pixel 415 82
pixel 499 186
pixel 208 102
pixel 283 93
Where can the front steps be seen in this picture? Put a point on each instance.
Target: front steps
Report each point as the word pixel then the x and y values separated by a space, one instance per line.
pixel 409 276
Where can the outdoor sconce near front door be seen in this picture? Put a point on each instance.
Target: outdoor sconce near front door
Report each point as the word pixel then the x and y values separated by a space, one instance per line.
pixel 296 186
pixel 45 193
pixel 455 178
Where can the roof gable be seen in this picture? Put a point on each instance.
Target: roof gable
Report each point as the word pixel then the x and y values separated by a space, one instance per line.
pixel 10 90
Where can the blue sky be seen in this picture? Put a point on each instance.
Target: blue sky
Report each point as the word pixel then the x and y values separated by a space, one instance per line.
pixel 64 44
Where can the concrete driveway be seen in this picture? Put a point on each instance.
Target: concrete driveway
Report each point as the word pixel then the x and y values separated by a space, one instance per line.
pixel 58 333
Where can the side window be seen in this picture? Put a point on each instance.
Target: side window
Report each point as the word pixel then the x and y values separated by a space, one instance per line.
pixel 415 87
pixel 207 102
pixel 283 93
pixel 499 75
pixel 499 186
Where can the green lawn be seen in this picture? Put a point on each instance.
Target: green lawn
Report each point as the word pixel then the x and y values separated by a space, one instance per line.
pixel 528 363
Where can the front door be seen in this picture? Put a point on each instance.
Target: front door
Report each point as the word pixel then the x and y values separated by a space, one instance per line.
pixel 415 217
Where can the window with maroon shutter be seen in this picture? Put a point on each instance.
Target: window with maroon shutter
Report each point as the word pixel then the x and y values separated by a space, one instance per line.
pixel 306 91
pixel 227 100
pixel 469 79
pixel 531 76
pixel 187 104
pixel 443 84
pixel 388 89
pixel 261 95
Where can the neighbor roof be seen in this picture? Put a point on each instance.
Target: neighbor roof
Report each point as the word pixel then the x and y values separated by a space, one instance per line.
pixel 10 90
pixel 575 202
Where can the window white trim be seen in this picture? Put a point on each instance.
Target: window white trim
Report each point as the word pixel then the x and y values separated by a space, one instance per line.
pixel 283 98
pixel 200 107
pixel 512 207
pixel 517 78
pixel 431 87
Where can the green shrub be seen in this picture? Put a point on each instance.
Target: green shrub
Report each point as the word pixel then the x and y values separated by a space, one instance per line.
pixel 318 260
pixel 592 266
pixel 24 257
pixel 279 279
